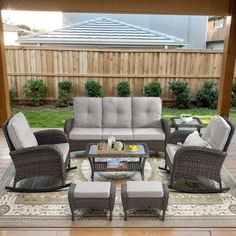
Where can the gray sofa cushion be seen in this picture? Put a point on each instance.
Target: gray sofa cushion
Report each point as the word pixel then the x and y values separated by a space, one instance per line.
pixel 64 149
pixel 146 112
pixel 217 133
pixel 171 149
pixel 148 134
pixel 87 112
pixel 118 133
pixel 116 112
pixel 19 132
pixel 86 133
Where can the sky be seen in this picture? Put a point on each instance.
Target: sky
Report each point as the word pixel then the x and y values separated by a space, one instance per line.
pixel 34 19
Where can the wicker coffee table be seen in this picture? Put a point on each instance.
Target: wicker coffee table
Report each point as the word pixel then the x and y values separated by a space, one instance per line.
pixel 128 160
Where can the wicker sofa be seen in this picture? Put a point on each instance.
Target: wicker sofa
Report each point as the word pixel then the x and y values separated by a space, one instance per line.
pixel 132 119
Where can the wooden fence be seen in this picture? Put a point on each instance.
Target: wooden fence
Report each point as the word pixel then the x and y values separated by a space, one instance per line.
pixel 109 67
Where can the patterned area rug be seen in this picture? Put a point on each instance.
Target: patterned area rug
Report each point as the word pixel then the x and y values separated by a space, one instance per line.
pixel 52 210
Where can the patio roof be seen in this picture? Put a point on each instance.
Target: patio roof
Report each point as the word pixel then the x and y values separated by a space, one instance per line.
pixel 104 31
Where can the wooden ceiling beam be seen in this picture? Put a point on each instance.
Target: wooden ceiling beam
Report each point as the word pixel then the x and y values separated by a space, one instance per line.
pixel 175 7
pixel 5 110
pixel 227 67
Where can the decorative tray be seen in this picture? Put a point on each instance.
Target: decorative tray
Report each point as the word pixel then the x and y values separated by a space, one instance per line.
pixel 107 150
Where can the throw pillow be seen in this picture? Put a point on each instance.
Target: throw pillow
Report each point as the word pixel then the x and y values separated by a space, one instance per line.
pixel 195 140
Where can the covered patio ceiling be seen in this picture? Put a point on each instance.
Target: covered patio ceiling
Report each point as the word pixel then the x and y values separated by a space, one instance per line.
pixel 175 7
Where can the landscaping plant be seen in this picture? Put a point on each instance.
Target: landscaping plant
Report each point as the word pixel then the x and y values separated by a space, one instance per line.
pixel 35 90
pixel 234 95
pixel 93 89
pixel 64 93
pixel 12 95
pixel 207 95
pixel 152 89
pixel 123 89
pixel 181 93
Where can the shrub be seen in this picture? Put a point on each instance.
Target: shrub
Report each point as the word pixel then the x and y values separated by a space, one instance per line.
pixel 36 90
pixel 64 93
pixel 12 95
pixel 152 89
pixel 93 89
pixel 181 93
pixel 123 89
pixel 234 95
pixel 207 95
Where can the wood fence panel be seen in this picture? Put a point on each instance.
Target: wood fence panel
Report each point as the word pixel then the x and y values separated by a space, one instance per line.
pixel 109 67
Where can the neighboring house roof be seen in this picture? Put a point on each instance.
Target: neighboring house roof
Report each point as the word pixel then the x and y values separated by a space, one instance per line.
pixel 12 28
pixel 104 31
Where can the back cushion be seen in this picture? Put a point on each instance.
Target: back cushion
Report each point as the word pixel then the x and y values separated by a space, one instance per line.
pixel 87 112
pixel 217 133
pixel 19 132
pixel 147 112
pixel 117 112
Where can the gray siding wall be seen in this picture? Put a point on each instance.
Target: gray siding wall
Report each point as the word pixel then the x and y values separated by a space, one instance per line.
pixel 192 29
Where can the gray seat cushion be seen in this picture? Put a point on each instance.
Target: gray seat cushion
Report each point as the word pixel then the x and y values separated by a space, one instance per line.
pixel 92 190
pixel 86 133
pixel 148 134
pixel 146 112
pixel 19 132
pixel 118 133
pixel 144 189
pixel 217 133
pixel 87 112
pixel 171 149
pixel 64 148
pixel 116 112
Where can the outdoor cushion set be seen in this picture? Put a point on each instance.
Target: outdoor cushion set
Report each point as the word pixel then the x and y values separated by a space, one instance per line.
pixel 134 195
pixel 138 120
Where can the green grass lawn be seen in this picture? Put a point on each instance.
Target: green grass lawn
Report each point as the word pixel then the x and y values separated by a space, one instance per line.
pixel 55 117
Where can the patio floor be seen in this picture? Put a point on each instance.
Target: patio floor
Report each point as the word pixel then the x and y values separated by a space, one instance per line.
pixel 230 164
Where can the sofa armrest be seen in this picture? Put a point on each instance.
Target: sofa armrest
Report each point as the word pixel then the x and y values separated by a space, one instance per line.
pixel 166 128
pixel 68 126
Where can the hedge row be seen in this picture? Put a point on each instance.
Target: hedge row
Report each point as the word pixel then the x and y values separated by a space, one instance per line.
pixel 207 95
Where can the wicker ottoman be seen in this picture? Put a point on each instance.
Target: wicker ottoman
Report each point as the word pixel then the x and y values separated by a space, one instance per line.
pixel 143 195
pixel 94 195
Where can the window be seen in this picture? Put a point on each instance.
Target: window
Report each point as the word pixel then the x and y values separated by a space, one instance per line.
pixel 218 22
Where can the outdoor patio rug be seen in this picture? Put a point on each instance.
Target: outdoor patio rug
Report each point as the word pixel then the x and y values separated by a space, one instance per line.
pixel 52 210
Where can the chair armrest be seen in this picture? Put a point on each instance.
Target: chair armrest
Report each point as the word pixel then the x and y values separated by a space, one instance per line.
pixel 68 126
pixel 199 154
pixel 50 136
pixel 36 155
pixel 178 136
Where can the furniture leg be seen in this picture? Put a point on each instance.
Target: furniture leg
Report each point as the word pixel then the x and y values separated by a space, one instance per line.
pixel 142 175
pixel 126 216
pixel 73 215
pixel 163 215
pixel 110 217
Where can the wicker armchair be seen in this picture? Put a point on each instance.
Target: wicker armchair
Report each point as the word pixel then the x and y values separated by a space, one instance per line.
pixel 192 161
pixel 46 159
